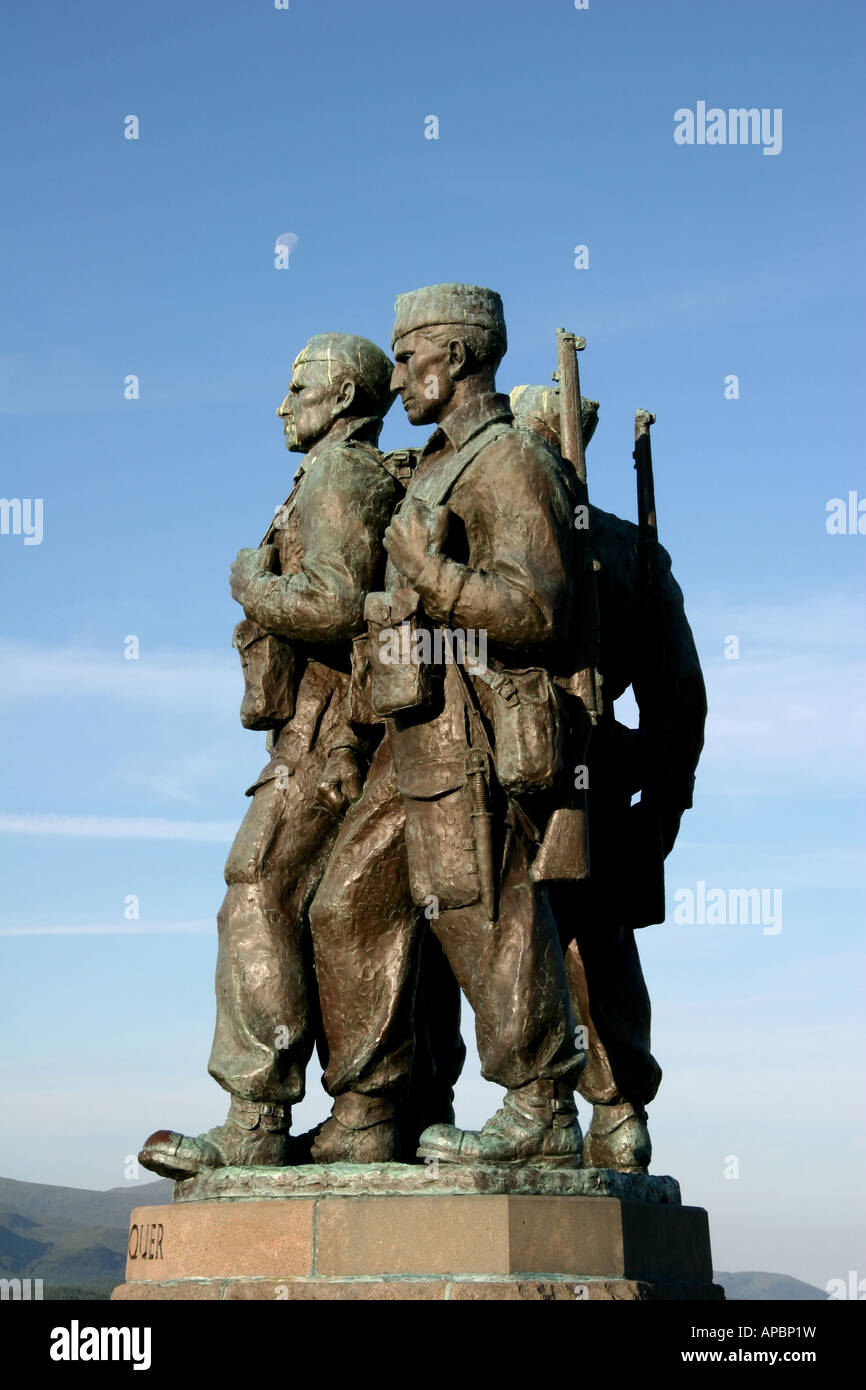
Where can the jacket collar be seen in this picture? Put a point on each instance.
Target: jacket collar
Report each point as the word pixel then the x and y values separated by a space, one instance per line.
pixel 469 419
pixel 364 427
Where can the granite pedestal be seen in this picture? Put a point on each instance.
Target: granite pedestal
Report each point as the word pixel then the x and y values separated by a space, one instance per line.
pixel 402 1231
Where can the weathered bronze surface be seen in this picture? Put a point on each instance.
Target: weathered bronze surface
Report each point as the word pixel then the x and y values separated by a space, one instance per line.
pixel 449 1180
pixel 435 640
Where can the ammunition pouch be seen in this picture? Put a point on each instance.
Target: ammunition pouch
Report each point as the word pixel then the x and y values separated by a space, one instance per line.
pixel 527 728
pixel 398 679
pixel 268 665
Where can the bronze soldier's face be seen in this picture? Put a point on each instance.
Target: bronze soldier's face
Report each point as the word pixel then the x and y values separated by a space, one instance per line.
pixel 310 407
pixel 421 377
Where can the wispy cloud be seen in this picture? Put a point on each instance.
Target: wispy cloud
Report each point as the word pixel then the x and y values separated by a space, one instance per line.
pixel 195 681
pixel 204 927
pixel 789 714
pixel 118 827
pixel 676 307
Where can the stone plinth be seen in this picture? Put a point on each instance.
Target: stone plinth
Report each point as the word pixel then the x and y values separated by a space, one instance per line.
pixel 402 1231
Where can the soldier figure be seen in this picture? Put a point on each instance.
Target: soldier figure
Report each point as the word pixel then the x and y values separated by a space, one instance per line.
pixel 414 831
pixel 598 916
pixel 303 596
pixel 461 785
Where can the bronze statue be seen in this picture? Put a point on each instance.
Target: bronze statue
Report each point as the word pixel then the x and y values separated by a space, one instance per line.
pixel 435 640
pixel 465 781
pixel 303 593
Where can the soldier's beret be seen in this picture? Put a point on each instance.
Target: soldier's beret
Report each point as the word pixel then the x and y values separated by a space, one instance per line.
pixel 435 304
pixel 367 363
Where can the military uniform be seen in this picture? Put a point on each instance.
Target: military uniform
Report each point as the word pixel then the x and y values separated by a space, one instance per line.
pixel 303 594
pixel 507 570
pixel 599 915
pixel 330 553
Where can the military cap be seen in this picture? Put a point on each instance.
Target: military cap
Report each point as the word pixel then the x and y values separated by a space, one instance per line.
pixel 366 362
pixel 539 405
pixel 435 304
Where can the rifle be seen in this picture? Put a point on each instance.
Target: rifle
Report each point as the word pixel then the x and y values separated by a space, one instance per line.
pixel 648 532
pixel 587 680
pixel 564 851
pixel 649 842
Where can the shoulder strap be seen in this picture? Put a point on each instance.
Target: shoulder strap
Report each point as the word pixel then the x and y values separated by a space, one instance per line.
pixel 434 490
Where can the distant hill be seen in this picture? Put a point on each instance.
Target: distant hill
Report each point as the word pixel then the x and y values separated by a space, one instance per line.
pixel 72 1239
pixel 753 1286
pixel 78 1206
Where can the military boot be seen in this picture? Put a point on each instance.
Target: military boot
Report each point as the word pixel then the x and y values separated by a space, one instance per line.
pixel 254 1134
pixel 434 1105
pixel 618 1138
pixel 537 1124
pixel 361 1129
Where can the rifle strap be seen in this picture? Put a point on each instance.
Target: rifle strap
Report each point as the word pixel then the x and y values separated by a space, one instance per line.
pixel 433 489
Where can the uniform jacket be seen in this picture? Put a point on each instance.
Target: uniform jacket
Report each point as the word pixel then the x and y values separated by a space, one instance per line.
pixel 329 543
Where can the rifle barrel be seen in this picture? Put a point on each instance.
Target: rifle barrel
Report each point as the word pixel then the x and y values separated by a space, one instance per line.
pixel 571 423
pixel 648 534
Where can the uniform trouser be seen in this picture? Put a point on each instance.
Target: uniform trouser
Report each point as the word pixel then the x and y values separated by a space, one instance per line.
pixel 267 1017
pixel 609 998
pixel 368 937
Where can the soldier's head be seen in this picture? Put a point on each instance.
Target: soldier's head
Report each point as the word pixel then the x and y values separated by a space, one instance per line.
pixel 336 376
pixel 448 341
pixel 536 408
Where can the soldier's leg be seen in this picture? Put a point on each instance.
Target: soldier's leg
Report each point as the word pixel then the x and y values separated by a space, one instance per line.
pixel 266 1007
pixel 439 1048
pixel 366 935
pixel 513 975
pixel 265 1020
pixel 610 999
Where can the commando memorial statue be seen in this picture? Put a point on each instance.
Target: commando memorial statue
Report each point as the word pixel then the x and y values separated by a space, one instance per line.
pixel 434 639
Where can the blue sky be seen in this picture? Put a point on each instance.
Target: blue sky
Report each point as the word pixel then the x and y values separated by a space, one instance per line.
pixel 155 257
